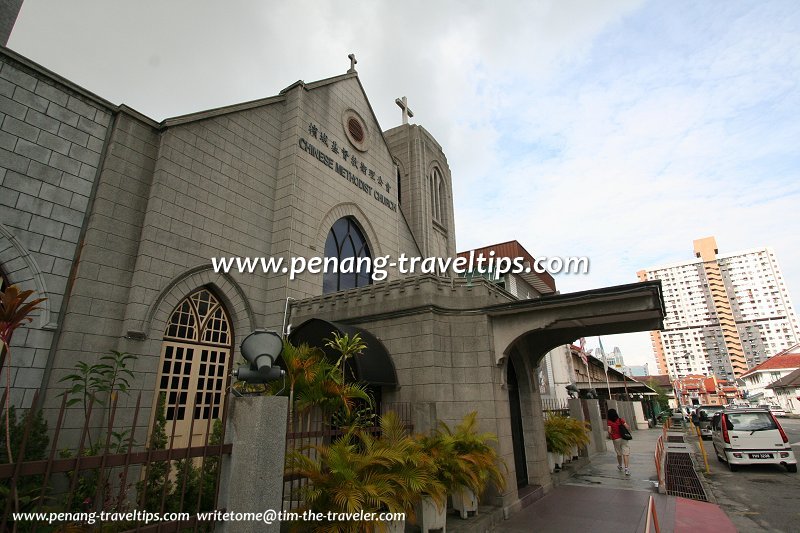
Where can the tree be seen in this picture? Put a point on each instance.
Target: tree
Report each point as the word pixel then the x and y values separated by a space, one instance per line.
pixel 662 398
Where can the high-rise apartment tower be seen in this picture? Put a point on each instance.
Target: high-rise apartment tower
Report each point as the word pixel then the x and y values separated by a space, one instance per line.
pixel 725 313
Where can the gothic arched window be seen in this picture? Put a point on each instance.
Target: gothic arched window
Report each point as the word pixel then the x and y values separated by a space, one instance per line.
pixel 195 357
pixel 436 193
pixel 347 244
pixel 399 184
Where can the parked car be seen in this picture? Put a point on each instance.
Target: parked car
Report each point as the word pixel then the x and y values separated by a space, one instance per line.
pixel 707 413
pixel 777 410
pixel 746 436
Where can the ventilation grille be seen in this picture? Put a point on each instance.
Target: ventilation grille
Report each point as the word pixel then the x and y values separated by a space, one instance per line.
pixel 356 130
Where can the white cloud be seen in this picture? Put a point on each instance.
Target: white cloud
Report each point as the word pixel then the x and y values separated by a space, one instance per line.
pixel 620 130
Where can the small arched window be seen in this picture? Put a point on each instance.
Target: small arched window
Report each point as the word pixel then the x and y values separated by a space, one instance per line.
pixel 347 244
pixel 436 193
pixel 399 184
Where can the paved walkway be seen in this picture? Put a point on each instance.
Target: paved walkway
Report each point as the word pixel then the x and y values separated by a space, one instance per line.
pixel 600 499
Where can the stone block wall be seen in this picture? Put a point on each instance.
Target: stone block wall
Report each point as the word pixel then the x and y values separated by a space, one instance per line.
pixel 446 367
pixel 52 138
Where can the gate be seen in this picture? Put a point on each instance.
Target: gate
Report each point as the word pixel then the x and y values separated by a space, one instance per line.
pixel 108 472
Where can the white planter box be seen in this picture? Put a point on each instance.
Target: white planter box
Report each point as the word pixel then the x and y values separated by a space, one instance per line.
pixel 551 460
pixel 430 516
pixel 464 501
pixel 396 526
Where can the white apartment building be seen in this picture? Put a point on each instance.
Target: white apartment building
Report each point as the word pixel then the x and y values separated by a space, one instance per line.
pixel 725 313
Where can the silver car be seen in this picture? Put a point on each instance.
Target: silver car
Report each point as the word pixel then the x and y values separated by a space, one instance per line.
pixel 706 414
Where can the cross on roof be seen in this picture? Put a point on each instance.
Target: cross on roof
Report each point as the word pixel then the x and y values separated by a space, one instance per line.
pixel 352 62
pixel 403 103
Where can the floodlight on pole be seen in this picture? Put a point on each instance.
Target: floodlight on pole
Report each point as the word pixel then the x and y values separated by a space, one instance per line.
pixel 260 348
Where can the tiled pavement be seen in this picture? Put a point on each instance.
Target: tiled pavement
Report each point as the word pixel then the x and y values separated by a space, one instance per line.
pixel 599 498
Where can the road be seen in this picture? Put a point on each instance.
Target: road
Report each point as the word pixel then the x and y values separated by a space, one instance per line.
pixel 759 497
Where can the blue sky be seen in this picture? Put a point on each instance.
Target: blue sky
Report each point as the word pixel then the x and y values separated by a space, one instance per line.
pixel 620 130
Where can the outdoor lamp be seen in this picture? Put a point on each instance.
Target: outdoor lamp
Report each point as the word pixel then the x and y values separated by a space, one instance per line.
pixel 260 349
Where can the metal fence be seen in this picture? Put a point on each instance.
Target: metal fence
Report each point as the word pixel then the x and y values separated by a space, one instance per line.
pixel 114 474
pixel 555 407
pixel 310 428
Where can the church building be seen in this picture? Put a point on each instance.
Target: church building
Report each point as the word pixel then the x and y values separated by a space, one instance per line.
pixel 115 218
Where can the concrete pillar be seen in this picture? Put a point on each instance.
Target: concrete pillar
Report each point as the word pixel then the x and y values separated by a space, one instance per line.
pixel 641 419
pixel 423 416
pixel 598 444
pixel 575 409
pixel 625 410
pixel 612 404
pixel 576 412
pixel 252 476
pixel 630 414
pixel 538 467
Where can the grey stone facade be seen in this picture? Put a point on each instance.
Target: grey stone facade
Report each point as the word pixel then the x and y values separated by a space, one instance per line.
pixel 151 203
pixel 115 219
pixel 52 139
pixel 444 358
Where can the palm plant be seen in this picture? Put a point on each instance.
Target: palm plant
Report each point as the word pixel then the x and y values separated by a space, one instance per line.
pixel 359 472
pixel 463 456
pixel 315 382
pixel 348 348
pixel 303 365
pixel 563 433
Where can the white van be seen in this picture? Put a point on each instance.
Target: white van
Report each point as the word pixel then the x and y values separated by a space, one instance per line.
pixel 749 436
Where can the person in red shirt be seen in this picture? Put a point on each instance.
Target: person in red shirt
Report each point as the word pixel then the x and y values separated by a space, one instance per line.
pixel 620 445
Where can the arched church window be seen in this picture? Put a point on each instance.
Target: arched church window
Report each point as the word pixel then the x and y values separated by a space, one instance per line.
pixel 439 196
pixel 347 244
pixel 399 185
pixel 195 358
pixel 436 188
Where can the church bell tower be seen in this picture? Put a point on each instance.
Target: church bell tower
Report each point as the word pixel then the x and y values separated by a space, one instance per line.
pixel 424 185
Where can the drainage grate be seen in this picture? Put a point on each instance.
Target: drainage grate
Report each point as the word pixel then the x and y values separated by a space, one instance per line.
pixel 681 478
pixel 675 438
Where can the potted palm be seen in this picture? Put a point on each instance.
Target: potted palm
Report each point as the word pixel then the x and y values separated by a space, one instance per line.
pixel 466 462
pixel 557 441
pixel 360 471
pixel 562 435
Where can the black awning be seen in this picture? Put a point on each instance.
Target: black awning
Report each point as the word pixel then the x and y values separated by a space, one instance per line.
pixel 373 366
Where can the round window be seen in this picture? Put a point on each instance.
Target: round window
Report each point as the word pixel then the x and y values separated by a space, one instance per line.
pixel 356 130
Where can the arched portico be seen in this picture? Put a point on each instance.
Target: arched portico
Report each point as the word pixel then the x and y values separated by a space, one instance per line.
pixel 451 343
pixel 523 332
pixel 534 327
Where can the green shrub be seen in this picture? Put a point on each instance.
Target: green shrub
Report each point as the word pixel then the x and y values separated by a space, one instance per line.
pixel 563 434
